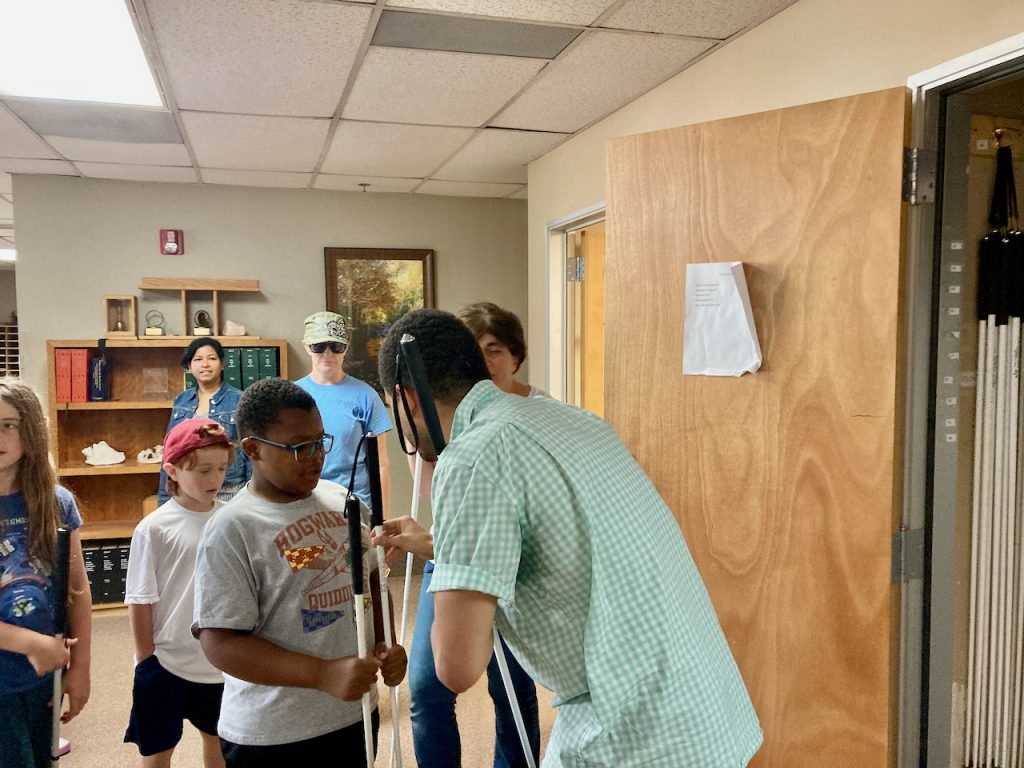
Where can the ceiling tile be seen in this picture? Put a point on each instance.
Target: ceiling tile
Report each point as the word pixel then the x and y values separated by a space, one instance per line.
pixel 520 195
pixel 121 152
pixel 564 11
pixel 375 183
pixel 137 172
pixel 52 167
pixel 6 184
pixel 256 178
pixel 256 143
pixel 441 32
pixel 97 122
pixel 389 149
pixel 6 209
pixel 17 140
pixel 466 189
pixel 699 18
pixel 602 72
pixel 496 154
pixel 258 56
pixel 435 87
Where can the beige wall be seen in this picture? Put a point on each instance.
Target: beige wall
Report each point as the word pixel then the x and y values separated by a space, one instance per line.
pixel 812 51
pixel 79 239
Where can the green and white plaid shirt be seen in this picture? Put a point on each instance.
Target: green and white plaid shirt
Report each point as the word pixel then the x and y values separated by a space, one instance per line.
pixel 541 505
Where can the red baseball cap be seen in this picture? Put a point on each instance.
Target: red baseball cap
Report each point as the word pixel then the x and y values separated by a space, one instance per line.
pixel 191 435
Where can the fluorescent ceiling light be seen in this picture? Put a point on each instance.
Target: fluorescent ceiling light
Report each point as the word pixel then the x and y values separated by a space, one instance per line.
pixel 8 254
pixel 70 49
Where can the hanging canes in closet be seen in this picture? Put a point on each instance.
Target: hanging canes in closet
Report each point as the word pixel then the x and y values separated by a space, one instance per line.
pixel 992 733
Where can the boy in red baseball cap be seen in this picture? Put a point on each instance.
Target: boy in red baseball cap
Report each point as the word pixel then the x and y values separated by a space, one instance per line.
pixel 173 679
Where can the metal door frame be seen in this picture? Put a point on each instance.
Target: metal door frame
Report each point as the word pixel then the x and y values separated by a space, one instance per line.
pixel 932 381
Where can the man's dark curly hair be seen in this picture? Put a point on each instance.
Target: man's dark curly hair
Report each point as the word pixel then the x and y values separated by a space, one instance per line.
pixel 451 356
pixel 262 402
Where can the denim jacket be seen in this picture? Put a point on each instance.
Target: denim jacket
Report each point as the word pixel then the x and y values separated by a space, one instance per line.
pixel 222 410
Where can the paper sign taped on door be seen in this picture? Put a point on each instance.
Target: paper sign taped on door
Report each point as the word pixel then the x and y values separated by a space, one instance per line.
pixel 719 337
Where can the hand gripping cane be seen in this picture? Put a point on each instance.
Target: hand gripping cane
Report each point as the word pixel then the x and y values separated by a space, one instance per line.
pixel 418 376
pixel 377 523
pixel 61 560
pixel 355 546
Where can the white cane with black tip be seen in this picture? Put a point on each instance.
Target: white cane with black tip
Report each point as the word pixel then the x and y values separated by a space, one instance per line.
pixel 355 543
pixel 377 523
pixel 61 562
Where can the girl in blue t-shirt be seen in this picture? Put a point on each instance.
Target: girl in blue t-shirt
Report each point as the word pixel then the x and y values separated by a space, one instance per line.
pixel 32 507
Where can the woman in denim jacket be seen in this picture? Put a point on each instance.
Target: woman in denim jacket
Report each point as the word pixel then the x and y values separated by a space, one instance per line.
pixel 213 398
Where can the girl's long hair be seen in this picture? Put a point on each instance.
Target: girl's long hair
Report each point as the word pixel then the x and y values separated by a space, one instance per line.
pixel 37 479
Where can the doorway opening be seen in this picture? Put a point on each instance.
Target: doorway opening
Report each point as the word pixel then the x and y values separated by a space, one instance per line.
pixel 960 681
pixel 575 270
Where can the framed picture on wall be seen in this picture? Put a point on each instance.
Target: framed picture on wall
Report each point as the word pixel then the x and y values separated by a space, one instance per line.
pixel 371 288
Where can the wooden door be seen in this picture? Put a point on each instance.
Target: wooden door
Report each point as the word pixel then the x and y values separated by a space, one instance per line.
pixel 585 317
pixel 786 483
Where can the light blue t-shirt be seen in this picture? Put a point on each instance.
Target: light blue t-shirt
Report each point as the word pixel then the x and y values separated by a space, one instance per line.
pixel 349 409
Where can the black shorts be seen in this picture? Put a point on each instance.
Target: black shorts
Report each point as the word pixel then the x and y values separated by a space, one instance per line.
pixel 162 701
pixel 344 747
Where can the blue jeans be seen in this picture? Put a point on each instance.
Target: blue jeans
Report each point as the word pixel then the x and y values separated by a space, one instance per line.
pixel 435 732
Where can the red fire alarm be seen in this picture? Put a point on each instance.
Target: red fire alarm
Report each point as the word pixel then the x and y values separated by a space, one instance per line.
pixel 172 242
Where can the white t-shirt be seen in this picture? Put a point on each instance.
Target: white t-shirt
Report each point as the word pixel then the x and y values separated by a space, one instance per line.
pixel 161 573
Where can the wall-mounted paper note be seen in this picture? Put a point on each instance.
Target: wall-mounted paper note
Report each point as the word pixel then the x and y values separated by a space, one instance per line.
pixel 719 337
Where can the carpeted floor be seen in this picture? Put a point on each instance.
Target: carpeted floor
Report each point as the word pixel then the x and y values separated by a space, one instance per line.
pixel 96 735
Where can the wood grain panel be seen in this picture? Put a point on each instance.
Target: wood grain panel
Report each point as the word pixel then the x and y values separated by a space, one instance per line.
pixel 784 482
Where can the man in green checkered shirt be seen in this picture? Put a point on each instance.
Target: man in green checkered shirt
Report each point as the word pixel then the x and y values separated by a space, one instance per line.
pixel 545 526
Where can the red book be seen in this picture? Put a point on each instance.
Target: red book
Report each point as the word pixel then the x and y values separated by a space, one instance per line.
pixel 62 374
pixel 79 375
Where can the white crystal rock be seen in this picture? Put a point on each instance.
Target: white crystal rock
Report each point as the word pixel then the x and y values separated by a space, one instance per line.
pixel 100 454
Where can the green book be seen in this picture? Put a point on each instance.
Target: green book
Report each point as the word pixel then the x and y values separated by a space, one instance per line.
pixel 268 362
pixel 190 380
pixel 233 366
pixel 250 365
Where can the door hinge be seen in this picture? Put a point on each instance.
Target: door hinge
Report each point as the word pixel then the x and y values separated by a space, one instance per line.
pixel 575 269
pixel 907 555
pixel 920 167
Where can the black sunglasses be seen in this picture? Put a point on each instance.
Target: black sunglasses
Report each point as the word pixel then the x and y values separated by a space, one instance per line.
pixel 400 391
pixel 321 346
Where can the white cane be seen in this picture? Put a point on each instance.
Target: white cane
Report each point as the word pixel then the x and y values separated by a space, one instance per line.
pixel 513 700
pixel 62 562
pixel 377 521
pixel 414 513
pixel 355 543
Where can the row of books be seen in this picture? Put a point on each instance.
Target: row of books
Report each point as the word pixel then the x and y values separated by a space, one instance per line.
pixel 244 365
pixel 106 563
pixel 71 370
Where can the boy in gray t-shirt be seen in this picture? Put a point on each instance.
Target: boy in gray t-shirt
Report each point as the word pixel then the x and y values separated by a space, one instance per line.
pixel 274 597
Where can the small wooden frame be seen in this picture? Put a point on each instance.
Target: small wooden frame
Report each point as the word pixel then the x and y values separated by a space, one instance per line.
pixel 186 285
pixel 119 316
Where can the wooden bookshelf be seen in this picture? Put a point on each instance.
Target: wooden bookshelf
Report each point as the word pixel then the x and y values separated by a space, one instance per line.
pixel 111 497
pixel 10 354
